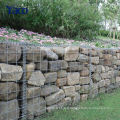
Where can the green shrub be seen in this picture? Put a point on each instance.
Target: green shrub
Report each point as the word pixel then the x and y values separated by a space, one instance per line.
pixel 62 18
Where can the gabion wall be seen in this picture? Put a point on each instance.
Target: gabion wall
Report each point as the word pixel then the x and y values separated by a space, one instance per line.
pixel 36 79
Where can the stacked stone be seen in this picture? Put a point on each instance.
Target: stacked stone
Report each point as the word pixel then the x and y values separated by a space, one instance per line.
pixel 56 77
pixel 10 75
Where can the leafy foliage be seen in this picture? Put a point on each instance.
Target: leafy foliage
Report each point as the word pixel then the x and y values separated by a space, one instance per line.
pixel 63 18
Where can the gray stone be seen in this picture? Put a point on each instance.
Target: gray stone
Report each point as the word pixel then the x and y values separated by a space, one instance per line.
pixel 57 65
pixel 74 66
pixel 82 58
pixel 54 98
pixel 9 53
pixel 105 75
pixel 48 89
pixel 42 66
pixel 10 72
pixel 49 54
pixel 73 78
pixel 62 74
pixel 84 80
pixel 71 53
pixel 77 87
pixel 9 110
pixel 102 90
pixel 61 82
pixel 101 83
pixel 35 107
pixel 69 90
pixel 52 108
pixel 75 98
pixel 33 92
pixel 85 89
pixel 50 77
pixel 37 79
pixel 107 82
pixel 96 77
pixel 60 51
pixel 65 102
pixel 99 68
pixel 8 91
pixel 117 79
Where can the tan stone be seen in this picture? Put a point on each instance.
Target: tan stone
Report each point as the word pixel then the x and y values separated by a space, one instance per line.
pixel 96 77
pixel 37 79
pixel 71 53
pixel 107 82
pixel 84 80
pixel 95 60
pixel 62 74
pixel 75 98
pixel 69 90
pixel 8 91
pixel 85 89
pixel 101 83
pixel 117 79
pixel 10 72
pixel 84 97
pixel 73 78
pixel 84 72
pixel 77 87
pixel 61 82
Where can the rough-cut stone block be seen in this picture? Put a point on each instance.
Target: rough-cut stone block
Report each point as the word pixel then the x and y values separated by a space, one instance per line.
pixel 71 53
pixel 60 51
pixel 74 66
pixel 75 98
pixel 10 72
pixel 82 58
pixel 84 72
pixel 96 77
pixel 118 55
pixel 105 75
pixel 93 52
pixel 84 51
pixel 9 110
pixel 84 97
pixel 107 56
pixel 8 91
pixel 50 77
pixel 57 65
pixel 29 70
pixel 85 89
pixel 42 66
pixel 77 87
pixel 49 54
pixel 107 82
pixel 73 78
pixel 54 98
pixel 117 79
pixel 95 60
pixel 116 62
pixel 48 89
pixel 62 74
pixel 69 90
pixel 52 108
pixel 101 83
pixel 33 92
pixel 9 53
pixel 35 54
pixel 61 82
pixel 84 80
pixel 99 68
pixel 37 79
pixel 35 107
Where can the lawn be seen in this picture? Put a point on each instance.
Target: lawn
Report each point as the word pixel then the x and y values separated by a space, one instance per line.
pixel 104 107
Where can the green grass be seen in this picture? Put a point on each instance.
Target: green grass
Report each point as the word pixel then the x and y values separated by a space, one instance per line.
pixel 104 107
